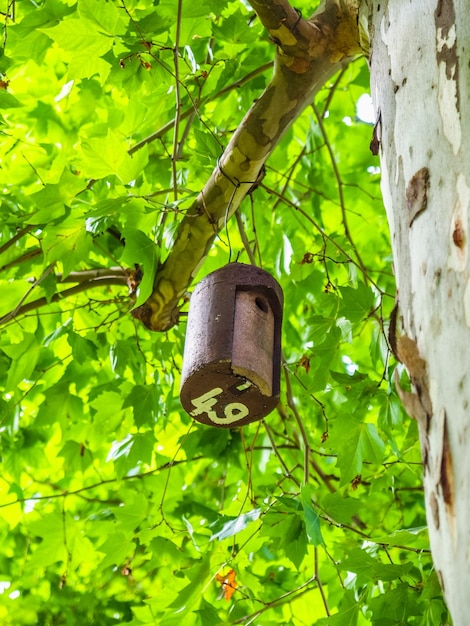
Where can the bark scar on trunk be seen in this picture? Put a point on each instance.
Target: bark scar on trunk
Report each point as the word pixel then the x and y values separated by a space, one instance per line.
pixel 434 506
pixel 444 17
pixel 376 135
pixel 417 194
pixel 446 480
pixel 418 405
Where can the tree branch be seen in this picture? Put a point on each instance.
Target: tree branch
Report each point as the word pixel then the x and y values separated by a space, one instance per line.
pixel 26 256
pixel 15 238
pixel 117 273
pixel 309 53
pixel 287 29
pixel 61 295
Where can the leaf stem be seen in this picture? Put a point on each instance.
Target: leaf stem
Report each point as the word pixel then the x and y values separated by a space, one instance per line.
pixel 244 238
pixel 303 433
pixel 319 583
pixel 340 185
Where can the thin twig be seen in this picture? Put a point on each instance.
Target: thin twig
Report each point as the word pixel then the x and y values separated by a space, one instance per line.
pixel 288 176
pixel 282 599
pixel 339 182
pixel 26 256
pixel 257 248
pixel 303 433
pixel 107 481
pixel 319 583
pixel 40 302
pixel 174 156
pixel 21 233
pixel 36 282
pixel 63 578
pixel 244 238
pixel 325 235
pixel 169 125
pixel 275 449
pixel 332 91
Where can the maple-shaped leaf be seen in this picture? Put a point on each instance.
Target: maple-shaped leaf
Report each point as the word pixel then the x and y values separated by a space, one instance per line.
pixel 228 583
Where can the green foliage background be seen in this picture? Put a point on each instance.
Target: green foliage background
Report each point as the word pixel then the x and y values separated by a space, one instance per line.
pixel 115 507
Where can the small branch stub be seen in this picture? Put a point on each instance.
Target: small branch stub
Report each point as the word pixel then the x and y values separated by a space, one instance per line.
pixel 231 367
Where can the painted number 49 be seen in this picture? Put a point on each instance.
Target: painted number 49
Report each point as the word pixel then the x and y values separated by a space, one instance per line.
pixel 233 412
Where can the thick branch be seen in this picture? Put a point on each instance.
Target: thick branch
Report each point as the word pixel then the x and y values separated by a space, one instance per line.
pixel 309 53
pixel 286 27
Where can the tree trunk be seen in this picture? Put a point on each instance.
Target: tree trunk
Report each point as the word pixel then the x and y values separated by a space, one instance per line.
pixel 420 80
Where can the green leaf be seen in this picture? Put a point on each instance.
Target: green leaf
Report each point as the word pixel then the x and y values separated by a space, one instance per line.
pixel 79 34
pixel 131 452
pixel 68 243
pixel 107 411
pixel 320 326
pixel 60 406
pixel 53 199
pixel 82 348
pixel 207 442
pixel 142 250
pixel 357 302
pixel 52 548
pixel 8 100
pixel 24 356
pixel 108 155
pixel 126 360
pixel 413 537
pixel 117 549
pixel 144 400
pixel 104 14
pixel 312 519
pixel 295 544
pixel 198 576
pixel 234 31
pixel 85 43
pixel 398 606
pixel 133 513
pixel 348 613
pixel 364 565
pixel 75 456
pixel 227 527
pixel 167 552
pixel 357 442
pixel 341 508
pixel 207 147
pixel 287 528
pixel 208 614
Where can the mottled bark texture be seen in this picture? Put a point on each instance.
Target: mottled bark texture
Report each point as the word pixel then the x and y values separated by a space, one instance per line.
pixel 420 81
pixel 308 52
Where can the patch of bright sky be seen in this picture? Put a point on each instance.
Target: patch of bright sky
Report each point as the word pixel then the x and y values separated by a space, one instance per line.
pixel 350 366
pixel 66 89
pixel 365 109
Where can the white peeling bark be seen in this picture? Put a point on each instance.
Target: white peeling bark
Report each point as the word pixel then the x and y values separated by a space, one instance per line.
pixel 420 82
